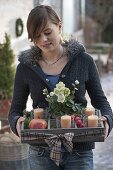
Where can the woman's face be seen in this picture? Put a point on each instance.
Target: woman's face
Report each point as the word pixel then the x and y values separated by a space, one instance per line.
pixel 49 38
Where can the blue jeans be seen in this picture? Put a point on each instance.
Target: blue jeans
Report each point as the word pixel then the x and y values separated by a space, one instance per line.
pixel 40 160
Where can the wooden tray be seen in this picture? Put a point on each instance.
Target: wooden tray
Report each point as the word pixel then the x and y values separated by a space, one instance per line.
pixel 85 134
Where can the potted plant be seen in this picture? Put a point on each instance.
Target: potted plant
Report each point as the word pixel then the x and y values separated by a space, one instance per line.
pixel 61 100
pixel 7 71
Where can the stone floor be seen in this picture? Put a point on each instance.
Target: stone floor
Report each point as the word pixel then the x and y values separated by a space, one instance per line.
pixel 103 154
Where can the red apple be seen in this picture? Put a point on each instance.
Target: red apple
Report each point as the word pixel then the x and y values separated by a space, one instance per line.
pixel 79 122
pixel 77 118
pixel 38 124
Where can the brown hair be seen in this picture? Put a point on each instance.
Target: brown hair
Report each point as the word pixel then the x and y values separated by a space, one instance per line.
pixel 38 18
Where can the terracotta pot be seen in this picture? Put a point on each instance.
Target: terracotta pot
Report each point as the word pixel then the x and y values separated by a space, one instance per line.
pixel 4 108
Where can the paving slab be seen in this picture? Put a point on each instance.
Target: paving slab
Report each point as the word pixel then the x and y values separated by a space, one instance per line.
pixel 103 154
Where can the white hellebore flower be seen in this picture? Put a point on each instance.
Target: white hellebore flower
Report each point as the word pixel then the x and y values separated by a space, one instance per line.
pixel 76 82
pixel 61 98
pixel 45 91
pixel 56 91
pixel 60 85
pixel 67 91
pixel 60 91
pixel 51 93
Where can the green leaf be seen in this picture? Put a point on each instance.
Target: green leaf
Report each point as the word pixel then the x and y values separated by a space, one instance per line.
pixel 26 123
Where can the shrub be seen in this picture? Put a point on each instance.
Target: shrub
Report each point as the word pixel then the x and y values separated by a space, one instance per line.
pixel 7 68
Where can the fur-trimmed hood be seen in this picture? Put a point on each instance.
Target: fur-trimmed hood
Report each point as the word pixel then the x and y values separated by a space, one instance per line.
pixel 30 56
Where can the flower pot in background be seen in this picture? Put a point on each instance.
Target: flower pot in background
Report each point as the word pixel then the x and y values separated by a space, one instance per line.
pixel 4 110
pixel 13 154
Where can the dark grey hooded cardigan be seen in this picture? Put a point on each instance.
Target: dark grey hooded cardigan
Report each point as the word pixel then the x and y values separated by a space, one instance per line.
pixel 30 79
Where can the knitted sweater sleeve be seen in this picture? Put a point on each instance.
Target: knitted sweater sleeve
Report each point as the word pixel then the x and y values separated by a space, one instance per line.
pixel 20 96
pixel 97 96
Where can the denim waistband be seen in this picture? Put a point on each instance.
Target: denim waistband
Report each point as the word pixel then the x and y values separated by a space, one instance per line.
pixel 81 146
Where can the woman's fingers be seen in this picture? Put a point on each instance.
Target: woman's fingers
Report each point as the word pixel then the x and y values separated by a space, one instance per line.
pixel 19 122
pixel 106 125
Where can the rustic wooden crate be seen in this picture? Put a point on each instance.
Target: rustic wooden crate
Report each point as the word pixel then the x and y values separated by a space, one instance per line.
pixel 85 134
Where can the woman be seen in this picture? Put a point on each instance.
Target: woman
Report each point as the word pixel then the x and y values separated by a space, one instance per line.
pixel 47 63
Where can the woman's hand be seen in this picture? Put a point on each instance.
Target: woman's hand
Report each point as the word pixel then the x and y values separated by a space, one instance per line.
pixel 19 122
pixel 106 125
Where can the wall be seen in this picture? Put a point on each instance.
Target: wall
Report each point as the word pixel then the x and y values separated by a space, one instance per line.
pixel 72 21
pixel 56 4
pixel 71 16
pixel 10 10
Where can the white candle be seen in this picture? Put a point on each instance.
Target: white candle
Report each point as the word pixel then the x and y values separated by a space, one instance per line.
pixel 93 121
pixel 66 121
pixel 38 113
pixel 89 111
